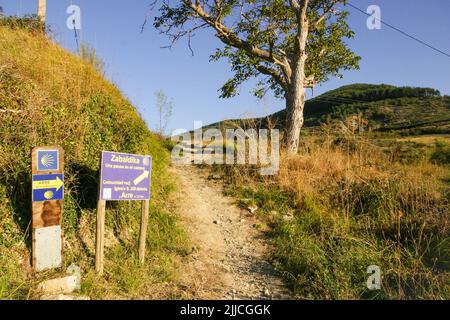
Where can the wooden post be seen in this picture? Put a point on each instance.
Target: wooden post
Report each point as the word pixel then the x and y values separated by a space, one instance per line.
pixel 47 168
pixel 100 238
pixel 143 233
pixel 42 9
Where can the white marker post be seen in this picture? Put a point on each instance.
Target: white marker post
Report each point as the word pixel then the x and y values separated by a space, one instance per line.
pixel 42 10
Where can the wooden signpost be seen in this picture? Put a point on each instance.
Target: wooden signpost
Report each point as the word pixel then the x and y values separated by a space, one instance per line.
pixel 122 177
pixel 47 168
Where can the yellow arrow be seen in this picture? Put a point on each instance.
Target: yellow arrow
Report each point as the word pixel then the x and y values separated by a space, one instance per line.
pixel 143 176
pixel 48 184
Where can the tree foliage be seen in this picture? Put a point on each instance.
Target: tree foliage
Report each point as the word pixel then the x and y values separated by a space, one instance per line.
pixel 260 38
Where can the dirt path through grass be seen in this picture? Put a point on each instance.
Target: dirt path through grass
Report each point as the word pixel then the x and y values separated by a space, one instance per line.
pixel 229 258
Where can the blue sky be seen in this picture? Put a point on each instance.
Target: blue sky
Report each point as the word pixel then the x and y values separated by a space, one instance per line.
pixel 139 66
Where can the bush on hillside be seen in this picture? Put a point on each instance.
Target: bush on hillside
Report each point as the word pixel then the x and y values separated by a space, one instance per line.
pixel 29 23
pixel 337 208
pixel 441 154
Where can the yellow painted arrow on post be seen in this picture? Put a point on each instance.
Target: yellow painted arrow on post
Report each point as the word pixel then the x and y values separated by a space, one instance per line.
pixel 143 176
pixel 48 184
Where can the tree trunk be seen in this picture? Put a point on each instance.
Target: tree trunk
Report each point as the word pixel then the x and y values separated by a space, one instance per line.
pixel 295 98
pixel 295 103
pixel 296 93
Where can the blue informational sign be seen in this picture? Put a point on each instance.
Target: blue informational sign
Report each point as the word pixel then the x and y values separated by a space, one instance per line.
pixel 47 160
pixel 125 176
pixel 48 187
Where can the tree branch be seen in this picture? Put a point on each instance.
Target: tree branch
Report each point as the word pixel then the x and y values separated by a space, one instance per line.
pixel 230 38
pixel 295 5
pixel 176 36
pixel 273 73
pixel 326 11
pixel 301 11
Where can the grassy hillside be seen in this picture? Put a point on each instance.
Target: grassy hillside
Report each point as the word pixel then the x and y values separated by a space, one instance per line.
pixel 401 110
pixel 365 189
pixel 51 97
pixel 344 204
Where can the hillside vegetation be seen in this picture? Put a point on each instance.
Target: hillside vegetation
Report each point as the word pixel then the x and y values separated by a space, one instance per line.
pixel 344 204
pixel 386 108
pixel 365 189
pixel 51 97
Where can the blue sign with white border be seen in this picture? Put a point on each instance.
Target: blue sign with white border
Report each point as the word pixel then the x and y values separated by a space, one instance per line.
pixel 125 176
pixel 47 160
pixel 48 187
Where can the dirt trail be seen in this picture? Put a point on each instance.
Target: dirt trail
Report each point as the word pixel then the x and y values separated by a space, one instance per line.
pixel 229 259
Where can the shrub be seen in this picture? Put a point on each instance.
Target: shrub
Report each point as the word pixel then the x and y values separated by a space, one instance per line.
pixel 29 23
pixel 354 206
pixel 441 154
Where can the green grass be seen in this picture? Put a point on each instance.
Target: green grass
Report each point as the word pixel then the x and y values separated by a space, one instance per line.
pixel 332 213
pixel 62 99
pixel 441 154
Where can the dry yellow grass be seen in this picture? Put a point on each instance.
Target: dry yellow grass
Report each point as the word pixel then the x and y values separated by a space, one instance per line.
pixel 323 164
pixel 427 139
pixel 352 205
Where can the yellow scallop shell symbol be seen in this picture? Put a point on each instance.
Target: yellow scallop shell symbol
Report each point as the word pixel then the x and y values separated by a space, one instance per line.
pixel 48 195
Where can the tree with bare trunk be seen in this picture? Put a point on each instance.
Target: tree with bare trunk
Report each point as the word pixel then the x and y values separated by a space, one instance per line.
pixel 288 44
pixel 164 106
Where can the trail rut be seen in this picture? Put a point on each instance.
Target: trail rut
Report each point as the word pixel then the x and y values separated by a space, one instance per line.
pixel 229 258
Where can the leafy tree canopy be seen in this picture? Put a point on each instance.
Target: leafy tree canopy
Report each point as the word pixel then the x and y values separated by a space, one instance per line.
pixel 260 38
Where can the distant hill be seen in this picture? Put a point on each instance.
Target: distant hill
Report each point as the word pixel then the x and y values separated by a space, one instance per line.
pixel 386 107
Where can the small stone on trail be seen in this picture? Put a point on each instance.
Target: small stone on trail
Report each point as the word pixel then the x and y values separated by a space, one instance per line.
pixel 54 289
pixel 75 270
pixel 252 208
pixel 59 285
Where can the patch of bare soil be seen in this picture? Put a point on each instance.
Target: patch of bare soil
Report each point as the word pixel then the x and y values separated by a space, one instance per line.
pixel 229 256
